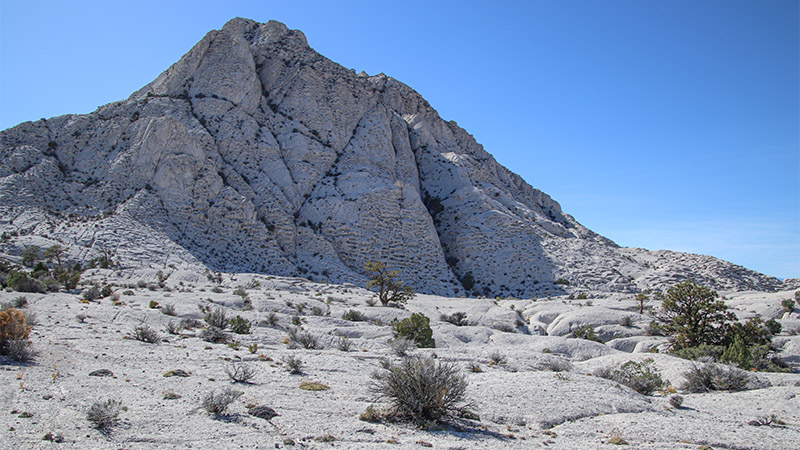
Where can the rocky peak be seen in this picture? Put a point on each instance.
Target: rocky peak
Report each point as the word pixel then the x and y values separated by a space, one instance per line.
pixel 255 153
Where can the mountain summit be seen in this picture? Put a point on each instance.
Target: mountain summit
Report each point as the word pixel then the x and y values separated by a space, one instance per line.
pixel 254 153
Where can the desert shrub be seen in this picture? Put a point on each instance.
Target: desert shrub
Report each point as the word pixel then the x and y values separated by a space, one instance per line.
pixel 13 327
pixel 189 323
pixel 562 281
pixel 172 328
pixel 317 311
pixel 216 318
pixel 293 365
pixel 344 344
pixel 153 304
pixel 497 358
pixel 558 365
pixel 788 304
pixel 91 294
pixel 169 394
pixel 417 328
pixel 676 401
pixel 240 372
pixel 371 414
pixel 168 309
pixel 626 321
pixel 303 339
pixel 272 319
pixel 773 326
pixel 146 334
pixel 218 403
pixel 239 325
pixel 422 389
pixel 642 376
pixel 240 292
pixel 21 350
pixel 19 302
pixel 106 291
pixel 215 335
pixel 458 319
pixel 401 346
pixel 354 316
pixel 104 415
pixel 585 332
pixel 21 282
pixel 390 289
pixel 711 377
pixel 253 348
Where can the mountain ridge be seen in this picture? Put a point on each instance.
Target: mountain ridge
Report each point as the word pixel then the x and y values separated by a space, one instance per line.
pixel 254 153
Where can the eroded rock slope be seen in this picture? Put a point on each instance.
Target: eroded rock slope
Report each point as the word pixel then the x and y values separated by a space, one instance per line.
pixel 254 153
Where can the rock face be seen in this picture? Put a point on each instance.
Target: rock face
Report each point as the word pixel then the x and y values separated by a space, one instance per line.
pixel 254 153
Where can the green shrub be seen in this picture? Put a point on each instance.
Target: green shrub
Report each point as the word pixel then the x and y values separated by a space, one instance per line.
pixel 562 281
pixel 104 415
pixel 711 377
pixel 458 319
pixel 423 390
pixel 21 282
pixel 416 328
pixel 586 332
pixel 217 318
pixel 642 376
pixel 91 294
pixel 354 316
pixel 773 326
pixel 239 325
pixel 788 305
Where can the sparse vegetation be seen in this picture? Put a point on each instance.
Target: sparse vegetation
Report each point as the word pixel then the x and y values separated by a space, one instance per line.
pixel 240 372
pixel 218 403
pixel 146 334
pixel 354 316
pixel 642 376
pixel 458 319
pixel 712 377
pixel 216 318
pixel 586 332
pixel 314 386
pixel 104 415
pixel 422 390
pixel 416 328
pixel 215 335
pixel 390 289
pixel 401 346
pixel 293 365
pixel 303 339
pixel 13 328
pixel 239 325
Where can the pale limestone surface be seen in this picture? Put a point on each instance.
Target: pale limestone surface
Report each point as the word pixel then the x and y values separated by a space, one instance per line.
pixel 521 403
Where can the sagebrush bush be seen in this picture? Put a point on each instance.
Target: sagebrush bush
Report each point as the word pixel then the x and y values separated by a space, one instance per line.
pixel 586 332
pixel 712 377
pixel 417 328
pixel 215 335
pixel 21 350
pixel 104 415
pixel 218 403
pixel 344 344
pixel 293 365
pixel 146 334
pixel 239 325
pixel 458 319
pixel 303 339
pixel 422 389
pixel 168 309
pixel 354 316
pixel 216 318
pixel 240 372
pixel 642 376
pixel 401 346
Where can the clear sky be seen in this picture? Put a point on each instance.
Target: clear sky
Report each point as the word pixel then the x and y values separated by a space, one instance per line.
pixel 658 124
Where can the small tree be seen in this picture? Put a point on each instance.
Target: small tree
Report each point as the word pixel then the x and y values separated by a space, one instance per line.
pixel 641 298
pixel 694 315
pixel 390 289
pixel 30 255
pixel 54 252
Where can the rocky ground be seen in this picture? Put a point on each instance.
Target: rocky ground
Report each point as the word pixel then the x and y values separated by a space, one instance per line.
pixel 530 385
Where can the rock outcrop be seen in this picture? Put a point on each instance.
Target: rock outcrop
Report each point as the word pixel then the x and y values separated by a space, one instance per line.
pixel 254 153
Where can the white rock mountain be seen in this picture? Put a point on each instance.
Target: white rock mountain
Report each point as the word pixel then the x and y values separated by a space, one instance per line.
pixel 254 153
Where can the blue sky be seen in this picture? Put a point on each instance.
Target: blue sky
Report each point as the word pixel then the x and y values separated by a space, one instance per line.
pixel 658 124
